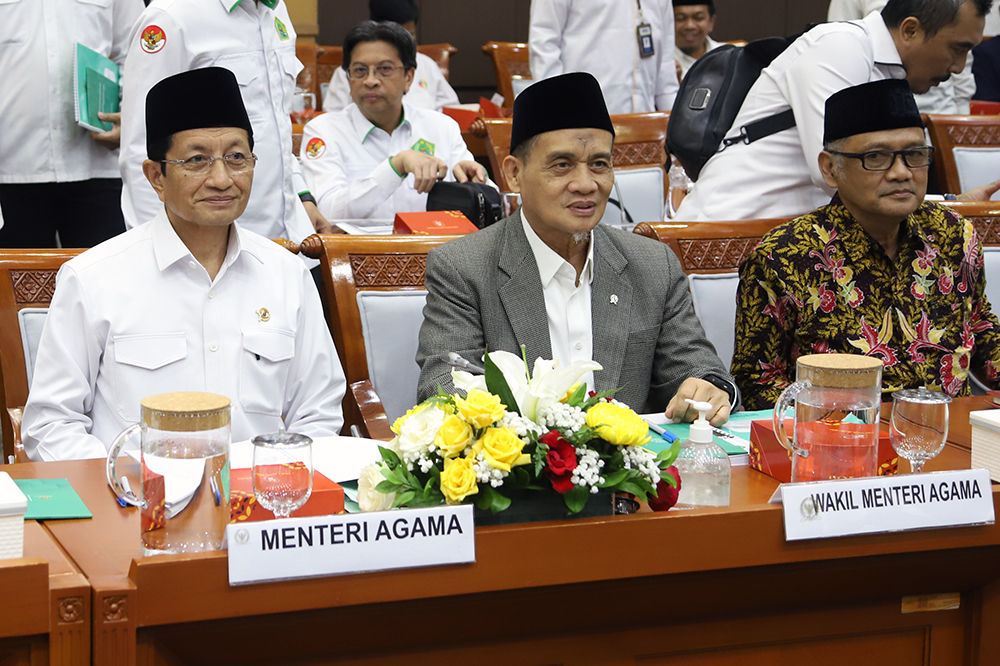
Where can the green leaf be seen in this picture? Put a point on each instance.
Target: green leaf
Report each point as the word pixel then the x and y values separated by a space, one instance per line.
pixel 666 457
pixel 638 487
pixel 484 499
pixel 404 499
pixel 576 499
pixel 576 399
pixel 389 457
pixel 601 395
pixel 499 502
pixel 613 479
pixel 539 457
pixel 497 384
pixel 669 478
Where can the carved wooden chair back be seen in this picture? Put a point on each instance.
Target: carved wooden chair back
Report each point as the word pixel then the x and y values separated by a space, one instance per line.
pixel 967 151
pixel 510 62
pixel 711 254
pixel 306 53
pixel 354 264
pixel 27 281
pixel 640 142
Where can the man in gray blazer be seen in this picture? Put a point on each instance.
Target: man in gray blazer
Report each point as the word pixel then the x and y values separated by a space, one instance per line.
pixel 552 279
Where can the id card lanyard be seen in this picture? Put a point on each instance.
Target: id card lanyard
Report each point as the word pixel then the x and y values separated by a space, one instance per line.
pixel 644 34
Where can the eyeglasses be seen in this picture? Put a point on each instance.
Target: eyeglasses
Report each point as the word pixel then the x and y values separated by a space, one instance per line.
pixel 360 72
pixel 882 160
pixel 202 164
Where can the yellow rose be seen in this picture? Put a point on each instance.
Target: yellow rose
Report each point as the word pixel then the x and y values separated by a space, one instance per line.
pixel 458 480
pixel 398 424
pixel 479 408
pixel 454 435
pixel 618 425
pixel 570 392
pixel 502 448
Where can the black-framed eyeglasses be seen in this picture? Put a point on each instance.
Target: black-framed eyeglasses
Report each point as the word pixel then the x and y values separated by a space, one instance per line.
pixel 360 72
pixel 882 160
pixel 202 164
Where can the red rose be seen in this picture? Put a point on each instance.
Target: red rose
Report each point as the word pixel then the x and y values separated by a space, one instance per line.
pixel 560 461
pixel 666 495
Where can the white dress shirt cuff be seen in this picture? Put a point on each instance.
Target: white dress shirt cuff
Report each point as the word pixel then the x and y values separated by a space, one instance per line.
pixel 385 177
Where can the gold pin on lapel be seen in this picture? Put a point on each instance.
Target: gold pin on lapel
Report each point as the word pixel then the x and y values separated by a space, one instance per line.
pixel 614 299
pixel 263 315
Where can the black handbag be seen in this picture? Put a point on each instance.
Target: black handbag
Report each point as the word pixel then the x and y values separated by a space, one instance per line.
pixel 478 202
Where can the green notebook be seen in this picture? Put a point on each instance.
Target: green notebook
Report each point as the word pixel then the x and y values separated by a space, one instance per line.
pixel 51 499
pixel 95 88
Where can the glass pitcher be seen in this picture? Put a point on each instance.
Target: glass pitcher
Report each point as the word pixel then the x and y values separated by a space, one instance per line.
pixel 837 408
pixel 184 472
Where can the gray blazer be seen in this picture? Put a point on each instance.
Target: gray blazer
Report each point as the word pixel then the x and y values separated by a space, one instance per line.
pixel 484 291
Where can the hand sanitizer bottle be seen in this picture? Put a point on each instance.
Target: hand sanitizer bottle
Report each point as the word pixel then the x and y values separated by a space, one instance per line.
pixel 703 465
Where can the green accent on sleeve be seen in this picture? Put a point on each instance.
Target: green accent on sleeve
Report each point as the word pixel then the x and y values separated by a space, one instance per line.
pixel 394 167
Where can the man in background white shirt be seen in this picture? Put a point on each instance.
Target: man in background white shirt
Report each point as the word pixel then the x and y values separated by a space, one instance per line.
pixel 256 41
pixel 56 176
pixel 430 90
pixel 694 20
pixel 778 175
pixel 952 96
pixel 380 156
pixel 189 301
pixel 602 37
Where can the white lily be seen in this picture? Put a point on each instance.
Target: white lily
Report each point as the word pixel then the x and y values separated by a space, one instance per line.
pixel 549 384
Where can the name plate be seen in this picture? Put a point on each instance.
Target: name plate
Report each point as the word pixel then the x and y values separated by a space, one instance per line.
pixel 845 507
pixel 350 543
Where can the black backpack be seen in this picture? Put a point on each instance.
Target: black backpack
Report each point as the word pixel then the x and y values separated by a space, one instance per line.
pixel 478 202
pixel 711 95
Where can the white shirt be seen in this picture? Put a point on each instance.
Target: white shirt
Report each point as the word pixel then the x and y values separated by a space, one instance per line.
pixel 599 36
pixel 40 141
pixel 779 176
pixel 429 89
pixel 686 61
pixel 951 97
pixel 571 329
pixel 258 44
pixel 138 315
pixel 345 161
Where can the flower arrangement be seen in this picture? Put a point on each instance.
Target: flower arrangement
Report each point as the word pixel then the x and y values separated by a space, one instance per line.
pixel 509 430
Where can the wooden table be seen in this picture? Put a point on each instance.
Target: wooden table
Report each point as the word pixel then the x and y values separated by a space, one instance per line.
pixel 708 586
pixel 45 613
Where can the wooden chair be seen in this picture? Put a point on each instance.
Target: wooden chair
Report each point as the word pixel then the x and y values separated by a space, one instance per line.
pixel 27 281
pixel 306 53
pixel 640 142
pixel 711 254
pixel 391 266
pixel 510 62
pixel 960 142
pixel 329 58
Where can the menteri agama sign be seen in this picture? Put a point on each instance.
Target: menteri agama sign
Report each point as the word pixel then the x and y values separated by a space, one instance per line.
pixel 350 543
pixel 845 507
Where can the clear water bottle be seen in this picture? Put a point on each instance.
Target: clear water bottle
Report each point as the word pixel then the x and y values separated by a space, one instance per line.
pixel 680 186
pixel 703 465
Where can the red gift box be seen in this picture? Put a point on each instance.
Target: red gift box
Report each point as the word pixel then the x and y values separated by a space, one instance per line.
pixel 327 498
pixel 767 455
pixel 433 223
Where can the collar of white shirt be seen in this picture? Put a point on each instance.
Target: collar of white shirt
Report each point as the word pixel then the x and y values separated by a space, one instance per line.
pixel 169 248
pixel 549 262
pixel 364 127
pixel 883 48
pixel 230 5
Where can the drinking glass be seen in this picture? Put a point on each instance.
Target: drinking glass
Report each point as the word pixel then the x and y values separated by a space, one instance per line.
pixel 918 427
pixel 282 472
pixel 511 202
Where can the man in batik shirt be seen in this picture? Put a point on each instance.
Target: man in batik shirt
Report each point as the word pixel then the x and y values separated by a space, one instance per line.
pixel 878 271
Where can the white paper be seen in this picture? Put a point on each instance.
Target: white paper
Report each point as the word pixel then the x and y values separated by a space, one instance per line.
pixel 331 545
pixel 337 458
pixel 844 507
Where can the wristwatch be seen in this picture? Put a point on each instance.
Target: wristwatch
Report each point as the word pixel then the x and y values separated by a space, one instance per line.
pixel 728 387
pixel 307 197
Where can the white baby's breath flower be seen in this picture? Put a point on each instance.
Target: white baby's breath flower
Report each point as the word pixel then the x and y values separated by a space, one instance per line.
pixel 370 499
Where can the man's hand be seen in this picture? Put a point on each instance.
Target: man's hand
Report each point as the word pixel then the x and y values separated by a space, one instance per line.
pixel 980 193
pixel 112 138
pixel 698 389
pixel 426 169
pixel 467 170
pixel 320 223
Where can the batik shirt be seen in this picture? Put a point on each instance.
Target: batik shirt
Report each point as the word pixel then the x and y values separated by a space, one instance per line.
pixel 821 283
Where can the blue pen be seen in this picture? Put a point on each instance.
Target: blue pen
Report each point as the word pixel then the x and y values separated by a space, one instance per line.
pixel 667 436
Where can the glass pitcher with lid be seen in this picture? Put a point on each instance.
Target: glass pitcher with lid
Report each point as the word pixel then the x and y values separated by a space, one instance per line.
pixel 184 464
pixel 837 408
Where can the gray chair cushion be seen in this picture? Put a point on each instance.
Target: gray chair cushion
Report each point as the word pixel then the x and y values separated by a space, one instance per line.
pixel 390 322
pixel 714 299
pixel 31 321
pixel 642 192
pixel 977 167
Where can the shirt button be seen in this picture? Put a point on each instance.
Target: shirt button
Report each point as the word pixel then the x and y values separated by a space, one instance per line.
pixel 214 347
pixel 579 346
pixel 191 264
pixel 211 294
